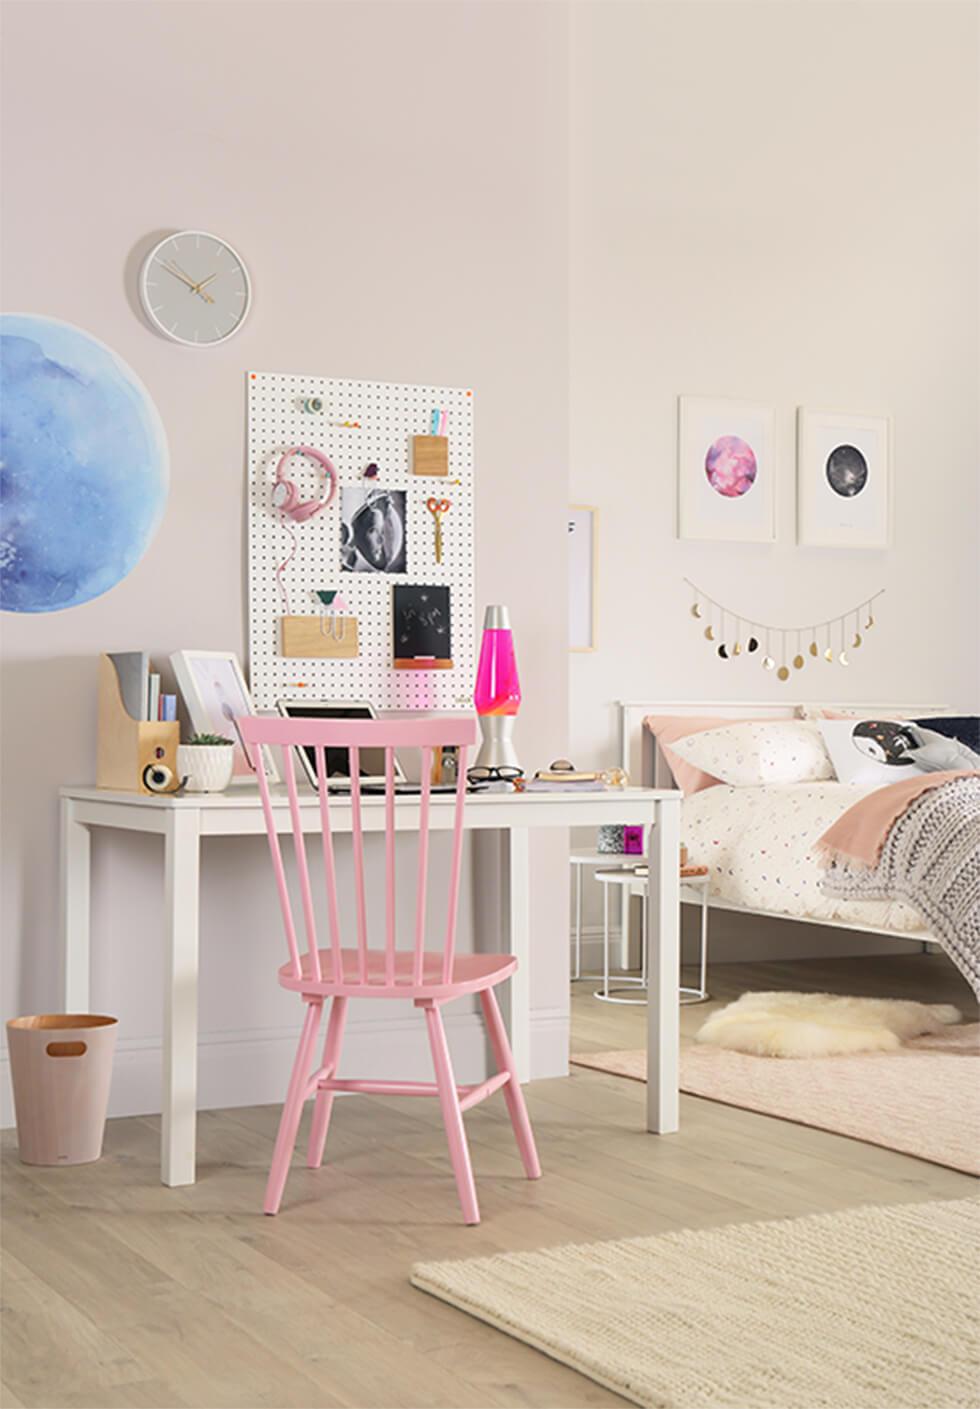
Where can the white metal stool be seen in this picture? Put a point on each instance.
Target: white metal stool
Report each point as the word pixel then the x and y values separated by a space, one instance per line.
pixel 693 889
pixel 582 861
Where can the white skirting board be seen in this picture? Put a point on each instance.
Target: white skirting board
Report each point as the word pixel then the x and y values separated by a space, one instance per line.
pixel 251 1068
pixel 747 939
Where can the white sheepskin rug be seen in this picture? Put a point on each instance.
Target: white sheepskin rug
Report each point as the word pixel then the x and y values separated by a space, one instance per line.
pixel 821 1024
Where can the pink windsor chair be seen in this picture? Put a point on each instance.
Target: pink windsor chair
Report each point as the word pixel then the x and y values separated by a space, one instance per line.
pixel 430 977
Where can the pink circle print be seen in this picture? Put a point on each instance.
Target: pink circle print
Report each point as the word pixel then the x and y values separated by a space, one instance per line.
pixel 730 465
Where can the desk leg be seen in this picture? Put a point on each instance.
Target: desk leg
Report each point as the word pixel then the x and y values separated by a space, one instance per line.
pixel 663 968
pixel 517 892
pixel 76 909
pixel 182 868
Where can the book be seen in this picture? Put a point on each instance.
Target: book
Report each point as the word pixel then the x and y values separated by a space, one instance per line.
pixel 153 706
pixel 686 872
pixel 542 785
pixel 566 775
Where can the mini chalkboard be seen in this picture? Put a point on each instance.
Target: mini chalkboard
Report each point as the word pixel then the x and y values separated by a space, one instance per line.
pixel 422 628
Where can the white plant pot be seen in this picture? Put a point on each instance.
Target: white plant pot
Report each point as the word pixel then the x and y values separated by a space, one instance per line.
pixel 207 767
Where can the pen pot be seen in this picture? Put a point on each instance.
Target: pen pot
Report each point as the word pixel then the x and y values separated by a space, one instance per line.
pixel 430 455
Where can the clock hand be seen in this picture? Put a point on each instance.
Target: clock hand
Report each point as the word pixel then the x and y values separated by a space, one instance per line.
pixel 171 269
pixel 174 268
pixel 196 288
pixel 201 285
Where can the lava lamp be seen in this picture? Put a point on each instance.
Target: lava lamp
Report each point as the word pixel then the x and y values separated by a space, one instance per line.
pixel 498 691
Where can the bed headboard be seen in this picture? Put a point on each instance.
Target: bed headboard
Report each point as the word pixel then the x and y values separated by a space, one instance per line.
pixel 646 765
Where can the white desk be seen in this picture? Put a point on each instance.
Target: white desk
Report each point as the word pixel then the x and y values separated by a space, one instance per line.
pixel 184 820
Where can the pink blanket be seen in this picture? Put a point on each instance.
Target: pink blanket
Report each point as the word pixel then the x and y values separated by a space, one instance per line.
pixel 860 833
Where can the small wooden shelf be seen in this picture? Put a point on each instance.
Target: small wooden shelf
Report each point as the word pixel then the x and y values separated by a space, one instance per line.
pixel 423 663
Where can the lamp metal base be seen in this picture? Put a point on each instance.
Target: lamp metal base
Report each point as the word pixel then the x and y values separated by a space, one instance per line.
pixel 497 749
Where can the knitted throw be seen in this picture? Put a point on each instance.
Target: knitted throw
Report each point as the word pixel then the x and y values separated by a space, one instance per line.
pixel 931 858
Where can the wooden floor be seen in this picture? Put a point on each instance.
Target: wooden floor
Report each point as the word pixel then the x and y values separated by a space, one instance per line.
pixel 118 1292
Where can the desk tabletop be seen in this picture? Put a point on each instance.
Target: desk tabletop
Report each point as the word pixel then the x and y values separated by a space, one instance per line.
pixel 246 795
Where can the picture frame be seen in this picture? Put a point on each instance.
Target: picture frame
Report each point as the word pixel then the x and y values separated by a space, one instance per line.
pixel 726 471
pixel 583 575
pixel 215 693
pixel 373 529
pixel 843 480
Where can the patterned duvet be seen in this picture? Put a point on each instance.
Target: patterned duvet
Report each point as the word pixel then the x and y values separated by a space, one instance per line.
pixel 758 843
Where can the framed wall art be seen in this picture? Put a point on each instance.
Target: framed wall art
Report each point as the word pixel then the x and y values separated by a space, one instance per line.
pixel 583 523
pixel 843 480
pixel 215 694
pixel 725 471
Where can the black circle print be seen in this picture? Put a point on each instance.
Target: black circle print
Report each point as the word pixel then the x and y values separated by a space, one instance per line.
pixel 847 471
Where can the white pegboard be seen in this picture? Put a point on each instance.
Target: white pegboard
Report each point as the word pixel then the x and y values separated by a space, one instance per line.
pixel 389 415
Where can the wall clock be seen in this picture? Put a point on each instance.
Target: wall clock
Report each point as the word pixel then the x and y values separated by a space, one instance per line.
pixel 195 288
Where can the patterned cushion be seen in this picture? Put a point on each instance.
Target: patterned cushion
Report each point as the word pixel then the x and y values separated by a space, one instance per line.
pixel 753 752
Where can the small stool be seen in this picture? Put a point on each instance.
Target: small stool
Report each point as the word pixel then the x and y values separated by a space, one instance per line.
pixel 582 860
pixel 694 888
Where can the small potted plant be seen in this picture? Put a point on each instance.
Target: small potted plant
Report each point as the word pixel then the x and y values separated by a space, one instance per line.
pixel 205 764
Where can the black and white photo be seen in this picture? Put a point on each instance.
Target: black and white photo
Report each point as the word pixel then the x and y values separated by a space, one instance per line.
pixel 372 530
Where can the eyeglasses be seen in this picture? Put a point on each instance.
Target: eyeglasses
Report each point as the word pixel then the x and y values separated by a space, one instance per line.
pixel 504 774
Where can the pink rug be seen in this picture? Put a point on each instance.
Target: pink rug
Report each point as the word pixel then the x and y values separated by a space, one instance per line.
pixel 923 1100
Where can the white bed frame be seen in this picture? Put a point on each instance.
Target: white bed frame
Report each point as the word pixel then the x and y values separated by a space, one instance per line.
pixel 647 766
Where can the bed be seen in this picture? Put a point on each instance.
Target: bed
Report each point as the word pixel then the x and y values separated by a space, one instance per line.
pixel 758 841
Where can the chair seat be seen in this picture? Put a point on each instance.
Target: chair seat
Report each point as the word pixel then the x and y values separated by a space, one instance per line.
pixel 471 973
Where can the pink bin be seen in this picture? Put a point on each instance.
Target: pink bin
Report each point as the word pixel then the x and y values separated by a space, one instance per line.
pixel 61 1067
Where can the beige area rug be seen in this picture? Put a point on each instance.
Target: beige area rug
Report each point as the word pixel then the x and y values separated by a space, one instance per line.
pixel 874 1308
pixel 922 1100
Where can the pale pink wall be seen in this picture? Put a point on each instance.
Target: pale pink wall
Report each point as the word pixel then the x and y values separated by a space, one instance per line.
pixel 776 202
pixel 395 177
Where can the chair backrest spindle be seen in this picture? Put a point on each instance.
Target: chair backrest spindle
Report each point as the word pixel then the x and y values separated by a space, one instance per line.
pixel 357 842
pixel 329 864
pixel 299 845
pixel 389 865
pixel 449 952
pixel 421 890
pixel 277 866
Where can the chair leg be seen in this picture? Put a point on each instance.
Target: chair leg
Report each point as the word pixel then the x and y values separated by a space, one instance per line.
pixel 513 1094
pixel 291 1111
pixel 324 1099
pixel 452 1115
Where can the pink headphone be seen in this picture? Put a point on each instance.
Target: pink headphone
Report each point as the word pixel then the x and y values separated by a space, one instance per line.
pixel 285 495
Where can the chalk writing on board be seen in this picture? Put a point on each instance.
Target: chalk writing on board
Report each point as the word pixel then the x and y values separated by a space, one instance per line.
pixel 422 622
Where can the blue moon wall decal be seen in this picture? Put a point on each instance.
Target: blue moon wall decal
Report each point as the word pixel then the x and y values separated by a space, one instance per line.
pixel 84 466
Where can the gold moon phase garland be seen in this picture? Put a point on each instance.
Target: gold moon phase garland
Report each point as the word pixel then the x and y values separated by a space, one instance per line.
pixel 784 649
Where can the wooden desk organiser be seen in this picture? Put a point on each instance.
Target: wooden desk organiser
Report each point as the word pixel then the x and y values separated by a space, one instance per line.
pixel 430 454
pixel 128 746
pixel 311 636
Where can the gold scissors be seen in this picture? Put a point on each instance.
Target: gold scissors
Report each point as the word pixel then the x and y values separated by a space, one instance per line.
pixel 438 507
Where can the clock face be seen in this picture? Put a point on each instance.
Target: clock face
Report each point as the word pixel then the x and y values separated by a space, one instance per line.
pixel 195 289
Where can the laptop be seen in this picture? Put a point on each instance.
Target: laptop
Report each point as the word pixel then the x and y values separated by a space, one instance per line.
pixel 337 760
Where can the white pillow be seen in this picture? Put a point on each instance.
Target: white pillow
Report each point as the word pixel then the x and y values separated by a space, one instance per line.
pixel 752 752
pixel 869 750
